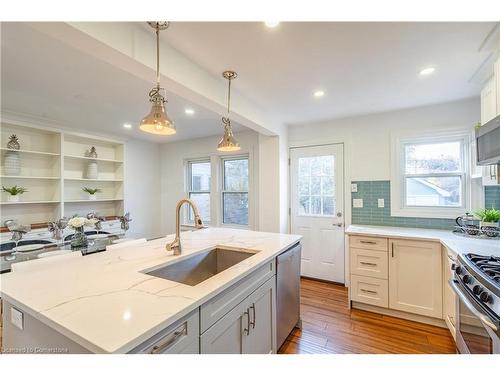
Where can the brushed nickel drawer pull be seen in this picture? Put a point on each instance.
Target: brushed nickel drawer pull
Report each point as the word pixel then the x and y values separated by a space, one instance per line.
pixel 368 242
pixel 368 291
pixel 368 263
pixel 247 329
pixel 252 323
pixel 170 341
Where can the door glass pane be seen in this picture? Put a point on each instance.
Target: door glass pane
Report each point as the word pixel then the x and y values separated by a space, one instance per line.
pixel 316 185
pixel 202 200
pixel 235 208
pixel 236 175
pixel 433 158
pixel 304 205
pixel 434 191
pixel 328 206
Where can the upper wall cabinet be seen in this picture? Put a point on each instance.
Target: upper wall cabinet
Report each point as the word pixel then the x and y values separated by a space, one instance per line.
pixel 489 101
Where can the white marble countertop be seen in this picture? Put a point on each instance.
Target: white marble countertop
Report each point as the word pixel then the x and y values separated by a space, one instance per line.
pixel 104 303
pixel 454 242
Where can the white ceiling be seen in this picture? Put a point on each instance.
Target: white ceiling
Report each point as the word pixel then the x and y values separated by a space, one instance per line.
pixel 362 67
pixel 46 78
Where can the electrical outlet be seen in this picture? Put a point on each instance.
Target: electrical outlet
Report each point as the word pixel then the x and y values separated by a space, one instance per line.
pixel 381 203
pixel 357 203
pixel 16 318
pixel 354 188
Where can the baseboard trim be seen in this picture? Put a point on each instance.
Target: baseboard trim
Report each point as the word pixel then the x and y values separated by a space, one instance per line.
pixel 400 314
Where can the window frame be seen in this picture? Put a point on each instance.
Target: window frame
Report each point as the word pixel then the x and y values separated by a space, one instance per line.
pixel 189 189
pixel 223 191
pixel 399 206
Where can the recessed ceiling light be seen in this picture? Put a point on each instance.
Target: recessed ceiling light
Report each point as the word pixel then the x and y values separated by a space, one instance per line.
pixel 427 71
pixel 272 24
pixel 189 111
pixel 127 126
pixel 319 93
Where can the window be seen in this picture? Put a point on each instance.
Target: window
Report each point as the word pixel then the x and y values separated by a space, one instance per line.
pixel 199 175
pixel 235 191
pixel 429 177
pixel 316 185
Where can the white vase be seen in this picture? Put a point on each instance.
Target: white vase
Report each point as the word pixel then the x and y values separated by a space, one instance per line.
pixel 12 163
pixel 92 170
pixel 92 197
pixel 13 198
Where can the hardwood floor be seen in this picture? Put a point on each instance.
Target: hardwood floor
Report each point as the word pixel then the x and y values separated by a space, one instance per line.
pixel 328 326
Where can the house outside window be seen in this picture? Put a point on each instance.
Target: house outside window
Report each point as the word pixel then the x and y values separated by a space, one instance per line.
pixel 430 176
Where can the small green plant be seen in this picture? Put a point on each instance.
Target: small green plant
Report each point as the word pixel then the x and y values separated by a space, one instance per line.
pixel 14 190
pixel 488 215
pixel 91 191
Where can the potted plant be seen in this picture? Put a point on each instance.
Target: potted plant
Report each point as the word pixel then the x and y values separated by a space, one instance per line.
pixel 91 192
pixel 14 192
pixel 490 219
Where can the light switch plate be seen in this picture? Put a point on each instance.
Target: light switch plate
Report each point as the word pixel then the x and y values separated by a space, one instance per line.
pixel 357 203
pixel 381 203
pixel 354 188
pixel 16 318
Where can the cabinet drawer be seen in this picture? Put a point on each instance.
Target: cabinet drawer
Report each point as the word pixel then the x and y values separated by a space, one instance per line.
pixel 182 337
pixel 220 305
pixel 369 290
pixel 369 263
pixel 370 243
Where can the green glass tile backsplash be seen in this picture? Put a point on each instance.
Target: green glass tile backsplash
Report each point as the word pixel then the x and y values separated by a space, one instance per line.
pixel 371 214
pixel 492 197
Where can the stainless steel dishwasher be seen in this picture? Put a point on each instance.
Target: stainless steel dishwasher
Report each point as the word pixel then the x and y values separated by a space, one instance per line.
pixel 287 292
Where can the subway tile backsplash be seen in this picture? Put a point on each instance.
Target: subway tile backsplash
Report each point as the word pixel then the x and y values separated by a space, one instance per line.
pixel 371 214
pixel 492 197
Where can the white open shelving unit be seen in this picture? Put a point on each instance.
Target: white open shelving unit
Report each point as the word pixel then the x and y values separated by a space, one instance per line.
pixel 53 167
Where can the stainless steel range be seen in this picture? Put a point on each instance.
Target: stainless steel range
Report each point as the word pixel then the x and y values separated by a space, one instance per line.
pixel 477 284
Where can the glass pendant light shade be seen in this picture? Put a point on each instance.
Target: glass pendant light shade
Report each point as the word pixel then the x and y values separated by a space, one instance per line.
pixel 157 121
pixel 228 142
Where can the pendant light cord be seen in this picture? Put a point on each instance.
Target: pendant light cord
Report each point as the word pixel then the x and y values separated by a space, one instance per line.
pixel 229 97
pixel 158 55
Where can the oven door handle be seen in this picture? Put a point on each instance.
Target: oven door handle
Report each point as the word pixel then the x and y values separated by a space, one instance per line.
pixel 484 319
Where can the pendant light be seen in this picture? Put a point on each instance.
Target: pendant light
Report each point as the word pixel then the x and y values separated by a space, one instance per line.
pixel 228 142
pixel 157 121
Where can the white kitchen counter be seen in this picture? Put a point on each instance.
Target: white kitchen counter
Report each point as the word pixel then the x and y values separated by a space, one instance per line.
pixel 454 242
pixel 104 303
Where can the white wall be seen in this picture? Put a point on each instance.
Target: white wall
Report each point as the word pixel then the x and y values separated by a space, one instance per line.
pixel 173 158
pixel 142 188
pixel 367 138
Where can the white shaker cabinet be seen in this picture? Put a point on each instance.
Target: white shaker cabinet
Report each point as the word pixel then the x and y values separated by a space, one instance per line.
pixel 249 328
pixel 489 100
pixel 449 296
pixel 415 277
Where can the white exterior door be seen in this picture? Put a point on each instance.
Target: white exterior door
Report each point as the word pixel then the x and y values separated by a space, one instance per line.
pixel 317 209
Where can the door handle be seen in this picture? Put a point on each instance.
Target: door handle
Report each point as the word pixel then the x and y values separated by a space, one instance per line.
pixel 158 348
pixel 368 242
pixel 368 291
pixel 392 249
pixel 252 323
pixel 338 225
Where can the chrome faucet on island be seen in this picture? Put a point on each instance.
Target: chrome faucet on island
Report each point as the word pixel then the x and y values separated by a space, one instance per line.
pixel 175 245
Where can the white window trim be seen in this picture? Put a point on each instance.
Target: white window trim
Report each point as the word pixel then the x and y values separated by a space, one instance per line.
pixel 216 188
pixel 398 207
pixel 222 191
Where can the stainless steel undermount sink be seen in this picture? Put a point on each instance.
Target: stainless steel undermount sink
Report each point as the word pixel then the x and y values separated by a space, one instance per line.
pixel 198 268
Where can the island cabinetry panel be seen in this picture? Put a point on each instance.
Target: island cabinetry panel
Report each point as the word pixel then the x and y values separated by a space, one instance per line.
pixel 249 328
pixel 415 277
pixel 220 305
pixel 182 337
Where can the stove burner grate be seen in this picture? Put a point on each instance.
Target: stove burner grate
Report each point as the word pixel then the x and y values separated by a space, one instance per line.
pixel 489 265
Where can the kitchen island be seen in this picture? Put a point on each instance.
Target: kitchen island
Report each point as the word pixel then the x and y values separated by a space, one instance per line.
pixel 109 302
